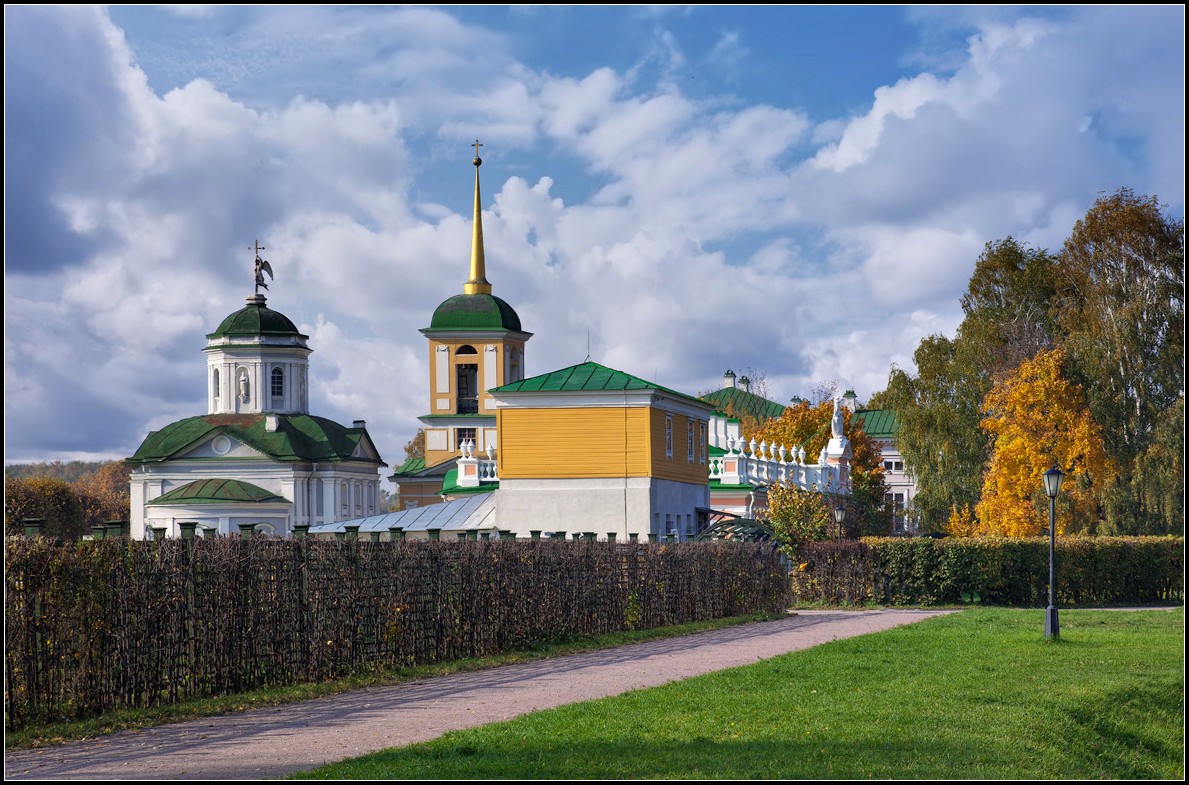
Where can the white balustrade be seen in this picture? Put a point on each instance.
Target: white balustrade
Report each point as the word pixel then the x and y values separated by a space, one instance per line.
pixel 770 464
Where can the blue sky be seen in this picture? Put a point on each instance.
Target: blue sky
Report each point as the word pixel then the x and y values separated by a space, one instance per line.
pixel 798 190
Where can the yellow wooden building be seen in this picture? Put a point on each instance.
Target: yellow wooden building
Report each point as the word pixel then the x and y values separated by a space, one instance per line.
pixel 592 449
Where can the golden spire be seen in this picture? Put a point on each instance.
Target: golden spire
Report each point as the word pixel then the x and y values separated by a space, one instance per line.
pixel 478 283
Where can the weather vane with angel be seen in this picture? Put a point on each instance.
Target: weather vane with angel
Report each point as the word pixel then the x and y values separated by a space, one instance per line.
pixel 262 267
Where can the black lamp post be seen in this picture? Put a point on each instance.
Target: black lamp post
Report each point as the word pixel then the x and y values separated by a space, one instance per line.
pixel 839 516
pixel 1053 479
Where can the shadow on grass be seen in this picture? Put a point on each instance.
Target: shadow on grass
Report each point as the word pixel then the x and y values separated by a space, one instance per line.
pixel 822 758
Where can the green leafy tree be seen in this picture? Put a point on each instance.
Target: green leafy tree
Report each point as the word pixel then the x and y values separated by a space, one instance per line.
pixel 878 400
pixel 1159 475
pixel 798 516
pixel 939 434
pixel 1007 320
pixel 1122 307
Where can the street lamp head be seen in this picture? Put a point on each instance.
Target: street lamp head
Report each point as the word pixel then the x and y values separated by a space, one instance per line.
pixel 839 513
pixel 1053 479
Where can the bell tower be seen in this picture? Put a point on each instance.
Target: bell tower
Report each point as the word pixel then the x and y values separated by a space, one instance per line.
pixel 475 344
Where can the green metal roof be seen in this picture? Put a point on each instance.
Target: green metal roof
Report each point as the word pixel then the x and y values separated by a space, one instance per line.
pixel 450 485
pixel 411 466
pixel 415 467
pixel 218 491
pixel 256 319
pixel 475 312
pixel 718 485
pixel 879 423
pixel 736 401
pixel 586 377
pixel 299 437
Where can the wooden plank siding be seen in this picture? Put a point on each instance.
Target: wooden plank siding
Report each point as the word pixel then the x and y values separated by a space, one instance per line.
pixel 561 443
pixel 677 468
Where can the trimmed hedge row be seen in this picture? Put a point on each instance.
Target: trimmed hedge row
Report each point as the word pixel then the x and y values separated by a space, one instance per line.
pixel 102 625
pixel 1090 571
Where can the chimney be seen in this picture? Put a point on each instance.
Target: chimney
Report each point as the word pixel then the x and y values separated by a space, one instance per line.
pixel 850 400
pixel 745 384
pixel 359 424
pixel 270 423
pixel 728 380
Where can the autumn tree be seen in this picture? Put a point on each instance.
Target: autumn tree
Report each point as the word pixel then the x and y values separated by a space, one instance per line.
pixel 48 498
pixel 808 426
pixel 415 447
pixel 1039 419
pixel 1122 307
pixel 105 494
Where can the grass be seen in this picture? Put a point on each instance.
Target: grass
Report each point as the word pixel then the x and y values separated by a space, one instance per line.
pixel 974 695
pixel 45 734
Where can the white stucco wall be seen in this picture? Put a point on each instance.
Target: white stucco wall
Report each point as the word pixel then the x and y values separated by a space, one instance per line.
pixel 637 505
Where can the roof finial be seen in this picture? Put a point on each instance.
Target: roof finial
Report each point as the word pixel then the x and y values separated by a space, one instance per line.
pixel 478 283
pixel 262 267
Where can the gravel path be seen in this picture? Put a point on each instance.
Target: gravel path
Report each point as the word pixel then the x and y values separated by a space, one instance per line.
pixel 279 740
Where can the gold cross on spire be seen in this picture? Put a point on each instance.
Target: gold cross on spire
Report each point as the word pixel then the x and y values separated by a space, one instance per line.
pixel 477 145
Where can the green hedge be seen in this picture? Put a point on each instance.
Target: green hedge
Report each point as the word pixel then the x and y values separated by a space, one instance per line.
pixel 1091 571
pixel 102 625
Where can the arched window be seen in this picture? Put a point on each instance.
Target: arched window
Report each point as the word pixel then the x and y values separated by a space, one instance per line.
pixel 215 382
pixel 466 349
pixel 278 383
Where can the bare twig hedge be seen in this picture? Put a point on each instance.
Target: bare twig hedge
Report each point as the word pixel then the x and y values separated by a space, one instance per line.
pixel 1091 571
pixel 102 625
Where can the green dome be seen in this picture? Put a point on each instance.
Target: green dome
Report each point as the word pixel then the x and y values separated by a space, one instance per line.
pixel 256 319
pixel 218 491
pixel 475 312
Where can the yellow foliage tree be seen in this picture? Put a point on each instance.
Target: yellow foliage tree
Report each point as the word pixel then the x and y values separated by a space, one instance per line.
pixel 801 425
pixel 1038 419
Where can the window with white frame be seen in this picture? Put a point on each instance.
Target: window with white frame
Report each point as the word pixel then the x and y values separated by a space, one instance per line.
pixel 702 441
pixel 689 441
pixel 668 436
pixel 278 383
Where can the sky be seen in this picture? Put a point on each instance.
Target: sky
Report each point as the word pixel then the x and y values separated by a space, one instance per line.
pixel 798 192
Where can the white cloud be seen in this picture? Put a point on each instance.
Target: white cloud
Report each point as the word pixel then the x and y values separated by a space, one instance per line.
pixel 697 234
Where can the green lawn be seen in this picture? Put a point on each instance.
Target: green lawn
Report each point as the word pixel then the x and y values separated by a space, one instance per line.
pixel 974 695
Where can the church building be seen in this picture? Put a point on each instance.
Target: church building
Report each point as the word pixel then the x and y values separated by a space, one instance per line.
pixel 257 459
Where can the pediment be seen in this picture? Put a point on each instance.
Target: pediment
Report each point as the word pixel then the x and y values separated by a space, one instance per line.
pixel 365 450
pixel 221 445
